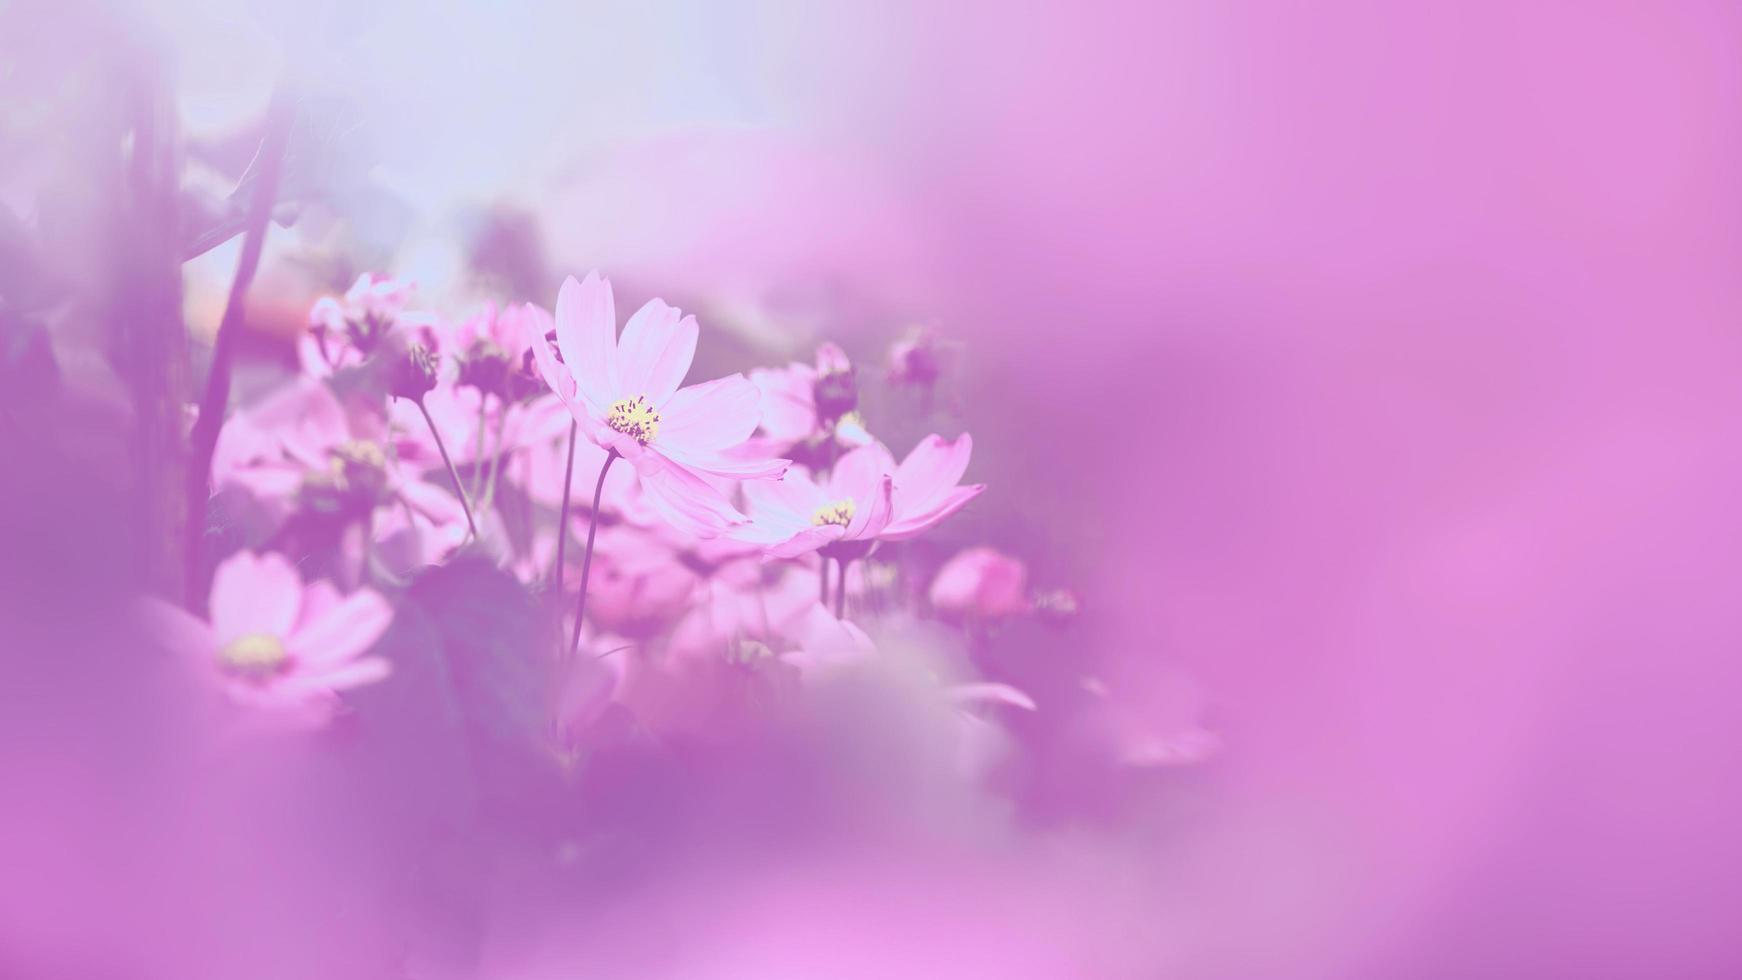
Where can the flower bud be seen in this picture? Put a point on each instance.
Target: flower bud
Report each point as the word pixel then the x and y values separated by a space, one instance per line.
pixel 836 392
pixel 412 374
pixel 915 360
pixel 486 367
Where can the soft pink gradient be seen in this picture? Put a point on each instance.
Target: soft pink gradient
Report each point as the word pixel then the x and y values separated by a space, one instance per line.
pixel 1370 370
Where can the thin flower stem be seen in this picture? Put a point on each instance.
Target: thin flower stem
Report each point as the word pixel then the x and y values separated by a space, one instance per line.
pixel 477 480
pixel 495 462
pixel 562 526
pixel 823 583
pixel 587 556
pixel 204 438
pixel 449 463
pixel 841 589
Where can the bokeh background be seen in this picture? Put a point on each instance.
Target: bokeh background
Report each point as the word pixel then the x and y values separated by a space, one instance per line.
pixel 1371 371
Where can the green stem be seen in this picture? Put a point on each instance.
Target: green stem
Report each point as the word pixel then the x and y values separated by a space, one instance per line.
pixel 841 589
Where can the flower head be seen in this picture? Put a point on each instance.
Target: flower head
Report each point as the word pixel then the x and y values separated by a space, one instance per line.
pixel 866 497
pixel 624 391
pixel 278 645
pixel 798 514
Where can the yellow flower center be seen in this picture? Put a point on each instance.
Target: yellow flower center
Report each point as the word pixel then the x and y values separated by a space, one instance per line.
pixel 254 655
pixel 840 512
pixel 635 418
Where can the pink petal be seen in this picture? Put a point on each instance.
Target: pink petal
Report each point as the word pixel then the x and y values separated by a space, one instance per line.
pixel 712 415
pixel 586 331
pixel 806 541
pixel 989 692
pixel 354 674
pixel 872 514
pixel 254 594
pixel 905 526
pixel 685 501
pixel 794 497
pixel 858 474
pixel 731 465
pixel 929 471
pixel 177 630
pixel 655 351
pixel 343 632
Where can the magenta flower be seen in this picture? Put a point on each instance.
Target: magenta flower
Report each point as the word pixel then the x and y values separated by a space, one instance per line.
pixel 624 393
pixel 277 645
pixel 926 489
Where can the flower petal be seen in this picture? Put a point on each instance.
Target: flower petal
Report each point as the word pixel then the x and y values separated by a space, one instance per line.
pixel 586 331
pixel 712 415
pixel 929 471
pixel 254 594
pixel 872 514
pixel 343 632
pixel 655 351
pixel 806 541
pixel 858 474
pixel 684 500
pixel 794 497
pixel 349 675
pixel 905 526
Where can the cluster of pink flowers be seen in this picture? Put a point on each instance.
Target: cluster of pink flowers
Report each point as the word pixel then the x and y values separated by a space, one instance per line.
pixel 748 530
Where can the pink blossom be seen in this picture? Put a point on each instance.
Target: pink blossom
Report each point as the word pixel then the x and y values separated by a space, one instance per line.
pixel 624 393
pixel 803 401
pixel 796 515
pixel 277 645
pixel 981 583
pixel 866 497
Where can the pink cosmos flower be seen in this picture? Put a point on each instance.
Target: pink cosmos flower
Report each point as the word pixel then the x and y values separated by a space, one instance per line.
pixel 624 393
pixel 277 645
pixel 343 331
pixel 867 497
pixel 796 515
pixel 981 583
pixel 801 401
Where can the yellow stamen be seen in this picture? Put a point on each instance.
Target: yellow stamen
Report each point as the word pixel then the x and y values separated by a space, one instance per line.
pixel 840 512
pixel 635 418
pixel 254 655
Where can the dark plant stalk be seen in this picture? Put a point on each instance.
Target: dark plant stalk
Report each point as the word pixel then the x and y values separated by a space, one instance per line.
pixel 587 556
pixel 204 438
pixel 841 589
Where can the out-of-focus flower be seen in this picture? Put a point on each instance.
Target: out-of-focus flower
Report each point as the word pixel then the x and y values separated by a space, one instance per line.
pixel 494 353
pixel 916 360
pixel 796 515
pixel 981 583
pixel 804 403
pixel 276 644
pixel 412 374
pixel 624 392
pixel 345 332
